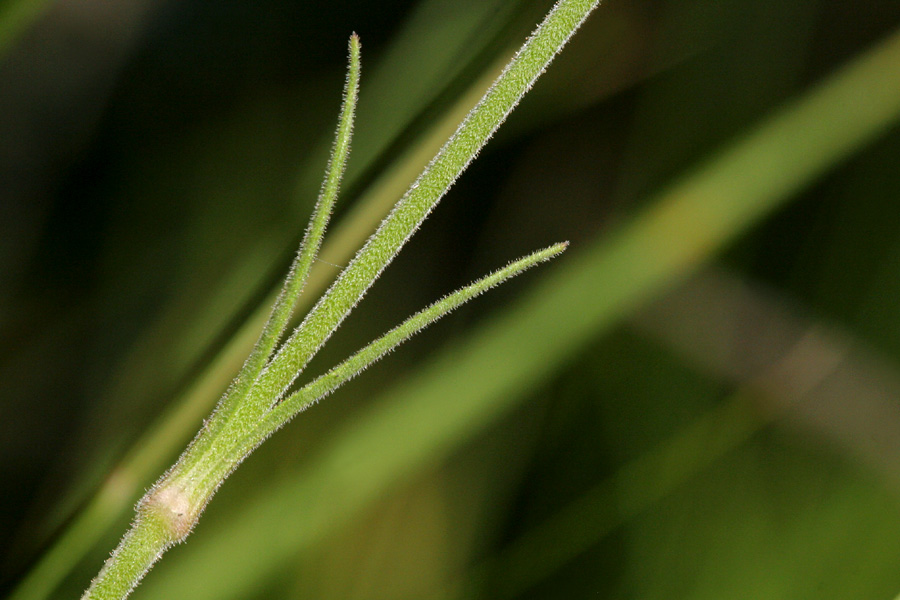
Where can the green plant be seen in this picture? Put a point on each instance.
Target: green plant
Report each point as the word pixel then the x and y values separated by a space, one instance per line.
pixel 637 463
pixel 256 404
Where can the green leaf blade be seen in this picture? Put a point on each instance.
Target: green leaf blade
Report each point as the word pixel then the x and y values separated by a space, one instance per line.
pixel 239 405
pixel 374 351
pixel 312 240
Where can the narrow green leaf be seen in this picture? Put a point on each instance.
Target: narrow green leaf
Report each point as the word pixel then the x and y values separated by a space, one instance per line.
pixel 309 248
pixel 239 409
pixel 361 360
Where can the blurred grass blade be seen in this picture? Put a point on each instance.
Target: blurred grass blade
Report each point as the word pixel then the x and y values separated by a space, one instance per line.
pixel 470 385
pixel 16 16
pixel 636 486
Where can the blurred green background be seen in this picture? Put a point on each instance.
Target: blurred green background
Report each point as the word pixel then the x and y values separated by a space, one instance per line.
pixel 701 399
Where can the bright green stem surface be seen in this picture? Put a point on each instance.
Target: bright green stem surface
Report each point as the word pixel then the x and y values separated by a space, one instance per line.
pixel 140 548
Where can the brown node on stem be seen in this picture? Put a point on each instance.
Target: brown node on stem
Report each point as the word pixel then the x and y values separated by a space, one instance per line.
pixel 171 505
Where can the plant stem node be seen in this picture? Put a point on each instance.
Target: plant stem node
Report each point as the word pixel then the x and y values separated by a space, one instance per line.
pixel 171 505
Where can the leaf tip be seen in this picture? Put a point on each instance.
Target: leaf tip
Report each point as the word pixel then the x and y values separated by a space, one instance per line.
pixel 556 250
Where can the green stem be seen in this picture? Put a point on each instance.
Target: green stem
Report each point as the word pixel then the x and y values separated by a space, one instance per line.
pixel 149 537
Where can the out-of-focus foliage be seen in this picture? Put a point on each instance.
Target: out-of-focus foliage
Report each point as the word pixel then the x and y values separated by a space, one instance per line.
pixel 736 434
